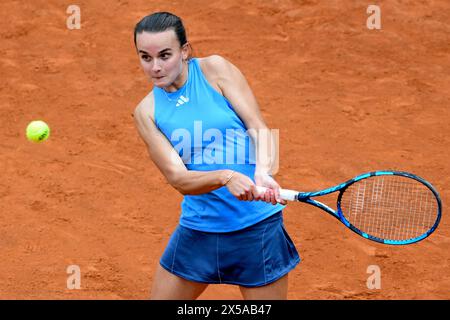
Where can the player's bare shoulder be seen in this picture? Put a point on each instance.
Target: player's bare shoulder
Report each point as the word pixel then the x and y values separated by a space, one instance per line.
pixel 214 64
pixel 215 68
pixel 146 108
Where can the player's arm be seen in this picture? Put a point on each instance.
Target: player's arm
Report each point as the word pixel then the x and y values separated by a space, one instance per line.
pixel 167 159
pixel 236 89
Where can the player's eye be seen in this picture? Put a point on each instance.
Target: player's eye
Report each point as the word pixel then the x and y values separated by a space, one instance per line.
pixel 165 56
pixel 145 57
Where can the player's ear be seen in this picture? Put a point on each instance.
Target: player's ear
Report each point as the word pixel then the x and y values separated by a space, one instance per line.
pixel 186 51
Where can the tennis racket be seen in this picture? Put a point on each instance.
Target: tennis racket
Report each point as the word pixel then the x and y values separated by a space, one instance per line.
pixel 389 207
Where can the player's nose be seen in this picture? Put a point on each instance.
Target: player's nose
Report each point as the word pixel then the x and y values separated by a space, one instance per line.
pixel 156 67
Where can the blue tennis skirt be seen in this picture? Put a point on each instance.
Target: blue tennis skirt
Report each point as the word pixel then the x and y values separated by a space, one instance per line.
pixel 251 257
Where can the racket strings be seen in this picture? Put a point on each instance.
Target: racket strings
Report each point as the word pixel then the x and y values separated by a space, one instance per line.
pixel 390 207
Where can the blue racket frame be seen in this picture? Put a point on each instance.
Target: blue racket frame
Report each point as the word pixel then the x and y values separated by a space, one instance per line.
pixel 306 197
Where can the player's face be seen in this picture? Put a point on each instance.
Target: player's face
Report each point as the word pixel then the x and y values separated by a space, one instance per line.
pixel 161 56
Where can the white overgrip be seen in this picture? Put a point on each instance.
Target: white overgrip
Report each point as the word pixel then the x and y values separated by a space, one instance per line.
pixel 286 194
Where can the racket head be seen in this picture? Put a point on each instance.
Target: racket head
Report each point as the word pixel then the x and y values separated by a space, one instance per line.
pixel 390 207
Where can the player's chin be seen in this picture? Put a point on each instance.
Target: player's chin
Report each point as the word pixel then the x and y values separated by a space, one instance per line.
pixel 160 82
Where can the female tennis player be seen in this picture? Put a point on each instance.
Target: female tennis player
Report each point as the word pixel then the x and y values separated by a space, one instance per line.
pixel 198 116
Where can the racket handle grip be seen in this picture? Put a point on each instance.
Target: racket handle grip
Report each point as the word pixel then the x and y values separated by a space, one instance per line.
pixel 285 194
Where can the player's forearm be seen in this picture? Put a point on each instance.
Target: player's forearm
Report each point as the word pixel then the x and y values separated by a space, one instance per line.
pixel 266 150
pixel 199 182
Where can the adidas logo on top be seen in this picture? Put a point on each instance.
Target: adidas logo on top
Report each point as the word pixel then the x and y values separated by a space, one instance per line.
pixel 182 100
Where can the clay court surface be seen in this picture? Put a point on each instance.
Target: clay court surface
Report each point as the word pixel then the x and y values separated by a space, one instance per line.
pixel 346 100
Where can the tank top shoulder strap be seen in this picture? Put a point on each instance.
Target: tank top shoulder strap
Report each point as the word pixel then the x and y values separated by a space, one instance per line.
pixel 200 77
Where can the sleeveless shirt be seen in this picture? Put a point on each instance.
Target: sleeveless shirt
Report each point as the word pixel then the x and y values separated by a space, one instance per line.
pixel 207 133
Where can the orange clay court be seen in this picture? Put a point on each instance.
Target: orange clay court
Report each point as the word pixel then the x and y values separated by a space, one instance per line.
pixel 346 100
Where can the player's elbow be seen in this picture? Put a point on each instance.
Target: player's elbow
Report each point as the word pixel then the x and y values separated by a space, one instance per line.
pixel 185 186
pixel 177 181
pixel 179 187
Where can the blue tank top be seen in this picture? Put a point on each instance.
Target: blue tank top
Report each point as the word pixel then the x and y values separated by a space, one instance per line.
pixel 204 129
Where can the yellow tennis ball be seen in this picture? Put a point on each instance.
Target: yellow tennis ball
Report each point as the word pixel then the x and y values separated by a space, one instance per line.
pixel 38 131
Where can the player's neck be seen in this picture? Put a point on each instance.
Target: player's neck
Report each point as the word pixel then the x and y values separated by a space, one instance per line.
pixel 180 80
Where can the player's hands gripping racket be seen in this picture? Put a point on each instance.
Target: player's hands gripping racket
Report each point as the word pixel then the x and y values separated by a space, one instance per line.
pixel 389 207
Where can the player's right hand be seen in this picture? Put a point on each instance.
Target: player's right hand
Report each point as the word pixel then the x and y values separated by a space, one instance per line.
pixel 242 187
